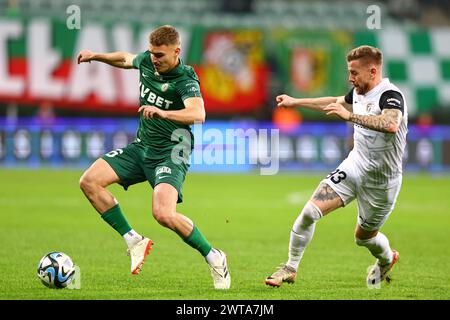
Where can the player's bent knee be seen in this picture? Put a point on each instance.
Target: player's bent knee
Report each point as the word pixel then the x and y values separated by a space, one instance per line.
pixel 163 217
pixel 165 221
pixel 86 183
pixel 362 236
pixel 309 215
pixel 311 212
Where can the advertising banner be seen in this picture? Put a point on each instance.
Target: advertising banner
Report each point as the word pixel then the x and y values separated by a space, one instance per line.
pixel 312 63
pixel 232 146
pixel 38 64
pixel 233 71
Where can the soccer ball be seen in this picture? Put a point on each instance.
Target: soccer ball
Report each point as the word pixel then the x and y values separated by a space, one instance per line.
pixel 56 270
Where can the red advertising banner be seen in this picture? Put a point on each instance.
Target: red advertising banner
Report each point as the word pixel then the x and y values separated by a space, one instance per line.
pixel 38 64
pixel 233 71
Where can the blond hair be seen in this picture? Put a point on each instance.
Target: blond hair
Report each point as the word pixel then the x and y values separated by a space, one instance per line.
pixel 367 53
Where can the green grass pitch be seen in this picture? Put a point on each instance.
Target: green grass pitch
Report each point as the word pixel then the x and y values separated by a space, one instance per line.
pixel 248 216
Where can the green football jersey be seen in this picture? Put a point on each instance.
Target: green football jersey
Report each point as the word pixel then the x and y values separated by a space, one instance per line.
pixel 165 91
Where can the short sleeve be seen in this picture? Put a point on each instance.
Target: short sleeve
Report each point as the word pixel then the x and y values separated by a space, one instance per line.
pixel 189 89
pixel 391 100
pixel 138 59
pixel 349 97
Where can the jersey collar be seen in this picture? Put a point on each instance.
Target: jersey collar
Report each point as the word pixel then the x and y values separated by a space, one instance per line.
pixel 175 72
pixel 375 89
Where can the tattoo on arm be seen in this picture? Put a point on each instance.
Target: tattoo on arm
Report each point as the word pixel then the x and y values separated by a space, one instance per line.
pixel 389 118
pixel 325 193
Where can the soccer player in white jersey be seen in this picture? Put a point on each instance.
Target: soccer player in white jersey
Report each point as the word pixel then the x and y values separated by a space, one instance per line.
pixel 372 172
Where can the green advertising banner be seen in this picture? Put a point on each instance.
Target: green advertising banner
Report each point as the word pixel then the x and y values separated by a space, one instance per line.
pixel 312 63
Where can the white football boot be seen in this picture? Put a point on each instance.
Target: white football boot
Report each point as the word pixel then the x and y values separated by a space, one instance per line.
pixel 138 254
pixel 219 271
pixel 379 273
pixel 283 274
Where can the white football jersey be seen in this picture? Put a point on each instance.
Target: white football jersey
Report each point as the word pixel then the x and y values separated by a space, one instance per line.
pixel 378 155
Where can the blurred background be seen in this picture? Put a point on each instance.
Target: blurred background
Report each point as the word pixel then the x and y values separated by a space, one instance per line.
pixel 54 113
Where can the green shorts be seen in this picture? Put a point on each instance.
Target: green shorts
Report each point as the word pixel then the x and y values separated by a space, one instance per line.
pixel 133 164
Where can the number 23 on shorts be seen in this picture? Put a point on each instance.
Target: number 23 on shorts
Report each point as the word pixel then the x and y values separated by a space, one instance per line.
pixel 337 176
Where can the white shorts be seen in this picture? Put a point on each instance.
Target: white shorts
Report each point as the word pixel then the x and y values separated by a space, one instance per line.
pixel 374 204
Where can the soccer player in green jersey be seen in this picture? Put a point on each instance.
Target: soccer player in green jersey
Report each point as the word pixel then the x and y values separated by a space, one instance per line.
pixel 170 101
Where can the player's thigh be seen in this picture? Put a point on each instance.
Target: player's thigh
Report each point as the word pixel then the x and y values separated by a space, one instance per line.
pixel 167 172
pixel 336 190
pixel 326 199
pixel 127 163
pixel 164 201
pixel 101 173
pixel 375 206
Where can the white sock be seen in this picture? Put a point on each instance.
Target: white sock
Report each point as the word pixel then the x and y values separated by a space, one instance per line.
pixel 132 237
pixel 378 247
pixel 302 233
pixel 212 256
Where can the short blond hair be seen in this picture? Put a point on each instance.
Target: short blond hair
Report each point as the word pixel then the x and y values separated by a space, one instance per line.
pixel 367 53
pixel 165 35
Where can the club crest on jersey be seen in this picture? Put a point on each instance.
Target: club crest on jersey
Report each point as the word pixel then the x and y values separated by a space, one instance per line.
pixel 369 107
pixel 164 87
pixel 164 170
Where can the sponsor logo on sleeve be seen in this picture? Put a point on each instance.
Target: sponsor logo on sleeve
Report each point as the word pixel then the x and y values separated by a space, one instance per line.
pixel 162 170
pixel 393 102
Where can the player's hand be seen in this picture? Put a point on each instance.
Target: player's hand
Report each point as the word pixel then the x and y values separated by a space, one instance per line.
pixel 152 112
pixel 337 109
pixel 85 56
pixel 285 101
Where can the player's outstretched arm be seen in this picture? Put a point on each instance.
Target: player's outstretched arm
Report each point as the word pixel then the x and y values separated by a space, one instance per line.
pixel 119 59
pixel 194 112
pixel 317 104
